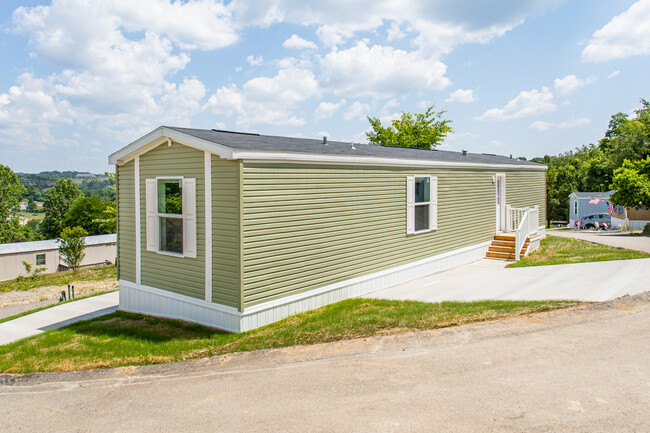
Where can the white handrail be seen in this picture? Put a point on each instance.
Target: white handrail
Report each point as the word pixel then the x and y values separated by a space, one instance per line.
pixel 527 220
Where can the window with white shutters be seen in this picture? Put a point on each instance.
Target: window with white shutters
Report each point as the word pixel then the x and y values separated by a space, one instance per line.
pixel 171 216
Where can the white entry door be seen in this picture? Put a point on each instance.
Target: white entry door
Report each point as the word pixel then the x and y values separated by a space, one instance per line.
pixel 501 202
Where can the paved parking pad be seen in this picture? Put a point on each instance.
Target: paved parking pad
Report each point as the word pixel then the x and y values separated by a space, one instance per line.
pixel 489 279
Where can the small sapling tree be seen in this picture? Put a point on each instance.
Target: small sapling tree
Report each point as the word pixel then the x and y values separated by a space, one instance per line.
pixel 71 246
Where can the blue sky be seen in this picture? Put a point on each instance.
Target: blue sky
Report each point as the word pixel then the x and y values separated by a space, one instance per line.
pixel 81 79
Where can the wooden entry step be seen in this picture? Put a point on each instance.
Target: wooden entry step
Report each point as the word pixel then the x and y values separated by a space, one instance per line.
pixel 503 247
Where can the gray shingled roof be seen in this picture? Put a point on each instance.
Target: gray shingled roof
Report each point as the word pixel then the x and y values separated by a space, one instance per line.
pixel 590 195
pixel 238 140
pixel 51 244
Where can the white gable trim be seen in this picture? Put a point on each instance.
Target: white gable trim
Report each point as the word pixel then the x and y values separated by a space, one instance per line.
pixel 160 135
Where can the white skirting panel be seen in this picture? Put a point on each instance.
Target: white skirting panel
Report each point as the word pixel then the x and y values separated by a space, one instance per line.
pixel 148 300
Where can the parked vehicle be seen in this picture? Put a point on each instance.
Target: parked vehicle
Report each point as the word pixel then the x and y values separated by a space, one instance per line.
pixel 595 221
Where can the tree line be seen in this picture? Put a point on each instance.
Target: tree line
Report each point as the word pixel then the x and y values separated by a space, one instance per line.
pixel 65 205
pixel 619 161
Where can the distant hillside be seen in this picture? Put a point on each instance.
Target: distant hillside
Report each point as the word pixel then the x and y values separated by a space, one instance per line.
pixel 89 183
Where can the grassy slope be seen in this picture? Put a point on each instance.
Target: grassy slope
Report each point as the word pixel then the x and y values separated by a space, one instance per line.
pixel 61 278
pixel 555 250
pixel 121 339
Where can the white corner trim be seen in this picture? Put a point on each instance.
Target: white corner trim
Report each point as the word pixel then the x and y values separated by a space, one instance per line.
pixel 208 225
pixel 149 300
pixel 138 238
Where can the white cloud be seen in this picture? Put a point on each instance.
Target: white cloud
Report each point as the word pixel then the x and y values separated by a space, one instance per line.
pixel 255 60
pixel 298 43
pixel 461 95
pixel 497 143
pixel 458 136
pixel 527 103
pixel 266 100
pixel 441 24
pixel 627 34
pixel 395 32
pixel 540 125
pixel 327 109
pixel 357 110
pixel 380 71
pixel 331 36
pixel 613 74
pixel 568 84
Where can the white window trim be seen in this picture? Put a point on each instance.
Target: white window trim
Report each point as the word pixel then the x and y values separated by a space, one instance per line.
pixel 411 204
pixel 154 244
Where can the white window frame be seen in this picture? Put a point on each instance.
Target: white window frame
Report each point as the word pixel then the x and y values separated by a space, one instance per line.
pixel 188 191
pixel 44 260
pixel 411 204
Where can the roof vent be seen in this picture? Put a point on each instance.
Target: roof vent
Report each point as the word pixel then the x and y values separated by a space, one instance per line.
pixel 464 152
pixel 235 132
pixel 511 156
pixel 324 139
pixel 352 145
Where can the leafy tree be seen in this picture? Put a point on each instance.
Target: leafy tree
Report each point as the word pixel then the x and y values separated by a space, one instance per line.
pixel 10 193
pixel 59 199
pixel 85 212
pixel 71 246
pixel 420 130
pixel 632 184
pixel 108 220
pixel 31 207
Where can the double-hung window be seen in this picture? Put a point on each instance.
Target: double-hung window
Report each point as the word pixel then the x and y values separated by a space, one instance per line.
pixel 40 259
pixel 421 204
pixel 171 216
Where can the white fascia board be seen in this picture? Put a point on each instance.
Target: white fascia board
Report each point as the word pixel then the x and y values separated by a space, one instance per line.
pixel 260 156
pixel 159 136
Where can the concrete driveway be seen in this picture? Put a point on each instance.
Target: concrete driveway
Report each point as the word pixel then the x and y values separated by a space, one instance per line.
pixel 489 279
pixel 612 239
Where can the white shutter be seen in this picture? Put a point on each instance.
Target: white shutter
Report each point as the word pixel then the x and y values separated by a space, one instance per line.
pixel 189 217
pixel 152 215
pixel 433 207
pixel 410 204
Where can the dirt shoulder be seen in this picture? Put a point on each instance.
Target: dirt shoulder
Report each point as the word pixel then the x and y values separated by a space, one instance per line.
pixel 18 301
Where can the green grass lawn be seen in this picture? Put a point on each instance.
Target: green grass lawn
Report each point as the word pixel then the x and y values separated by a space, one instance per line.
pixel 122 339
pixel 556 251
pixel 38 216
pixel 61 278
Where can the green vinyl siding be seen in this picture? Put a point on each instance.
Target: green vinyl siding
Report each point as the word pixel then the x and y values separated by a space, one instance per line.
pixel 225 232
pixel 182 275
pixel 527 189
pixel 126 222
pixel 308 226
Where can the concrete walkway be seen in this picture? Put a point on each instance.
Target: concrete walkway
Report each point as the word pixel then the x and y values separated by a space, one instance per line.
pixel 57 317
pixel 488 279
pixel 612 239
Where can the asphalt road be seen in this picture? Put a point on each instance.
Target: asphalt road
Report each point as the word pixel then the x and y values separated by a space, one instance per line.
pixel 579 370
